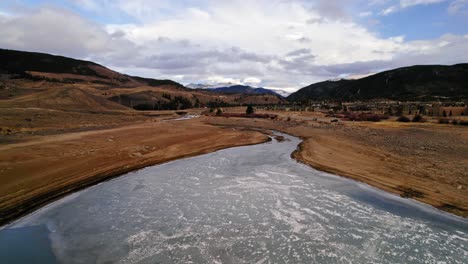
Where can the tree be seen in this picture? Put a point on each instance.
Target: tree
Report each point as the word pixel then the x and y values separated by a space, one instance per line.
pixel 450 114
pixel 390 111
pixel 219 112
pixel 249 110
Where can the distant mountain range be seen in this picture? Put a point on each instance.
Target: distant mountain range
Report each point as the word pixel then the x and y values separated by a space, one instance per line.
pixel 230 88
pixel 415 83
pixel 209 86
pixel 243 89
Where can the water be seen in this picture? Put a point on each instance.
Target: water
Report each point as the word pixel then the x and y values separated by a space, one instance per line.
pixel 249 204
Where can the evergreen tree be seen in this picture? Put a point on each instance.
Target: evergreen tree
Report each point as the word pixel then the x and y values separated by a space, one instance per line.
pixel 249 110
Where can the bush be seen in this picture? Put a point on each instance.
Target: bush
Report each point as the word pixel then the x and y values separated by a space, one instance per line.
pixel 403 119
pixel 265 116
pixel 219 112
pixel 211 110
pixel 418 118
pixel 364 117
pixel 249 110
pixel 443 121
pixel 459 122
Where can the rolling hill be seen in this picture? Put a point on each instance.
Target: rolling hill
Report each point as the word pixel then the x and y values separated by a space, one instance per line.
pixel 63 98
pixel 415 83
pixel 38 80
pixel 41 66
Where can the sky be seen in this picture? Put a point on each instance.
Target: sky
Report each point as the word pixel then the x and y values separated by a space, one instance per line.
pixel 276 44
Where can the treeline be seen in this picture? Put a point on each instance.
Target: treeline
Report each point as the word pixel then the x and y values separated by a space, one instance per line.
pixel 175 103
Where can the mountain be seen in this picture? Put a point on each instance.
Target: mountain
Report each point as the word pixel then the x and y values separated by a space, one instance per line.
pixel 209 86
pixel 243 89
pixel 39 80
pixel 41 66
pixel 232 88
pixel 415 83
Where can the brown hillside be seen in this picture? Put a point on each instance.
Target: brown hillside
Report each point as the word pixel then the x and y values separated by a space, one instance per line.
pixel 63 98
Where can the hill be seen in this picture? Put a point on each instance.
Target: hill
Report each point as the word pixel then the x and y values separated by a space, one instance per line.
pixel 30 79
pixel 63 98
pixel 41 66
pixel 415 83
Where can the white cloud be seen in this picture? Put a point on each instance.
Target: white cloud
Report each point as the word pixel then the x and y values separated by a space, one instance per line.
pixel 221 79
pixel 408 3
pixel 458 6
pixel 61 32
pixel 389 10
pixel 284 44
pixel 365 14
pixel 403 4
pixel 252 80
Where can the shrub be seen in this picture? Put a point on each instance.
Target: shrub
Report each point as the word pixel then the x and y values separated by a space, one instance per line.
pixel 460 122
pixel 418 118
pixel 365 117
pixel 443 121
pixel 219 112
pixel 249 110
pixel 403 119
pixel 211 110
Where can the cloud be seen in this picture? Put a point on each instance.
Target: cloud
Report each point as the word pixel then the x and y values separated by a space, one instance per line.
pixel 365 14
pixel 403 4
pixel 389 10
pixel 282 44
pixel 61 32
pixel 409 3
pixel 458 7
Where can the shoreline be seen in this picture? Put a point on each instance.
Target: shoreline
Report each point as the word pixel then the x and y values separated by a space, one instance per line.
pixel 13 211
pixel 318 152
pixel 247 128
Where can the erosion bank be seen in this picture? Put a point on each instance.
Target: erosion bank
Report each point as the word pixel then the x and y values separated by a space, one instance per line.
pixel 35 172
pixel 426 162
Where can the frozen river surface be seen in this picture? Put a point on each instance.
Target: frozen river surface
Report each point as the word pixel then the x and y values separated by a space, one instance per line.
pixel 249 204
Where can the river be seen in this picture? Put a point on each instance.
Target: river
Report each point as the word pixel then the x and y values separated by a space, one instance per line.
pixel 250 204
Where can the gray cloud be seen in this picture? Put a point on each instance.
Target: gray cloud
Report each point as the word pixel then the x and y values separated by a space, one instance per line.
pixel 298 52
pixel 292 62
pixel 60 31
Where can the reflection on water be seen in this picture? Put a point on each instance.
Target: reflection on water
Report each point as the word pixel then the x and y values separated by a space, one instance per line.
pixel 246 205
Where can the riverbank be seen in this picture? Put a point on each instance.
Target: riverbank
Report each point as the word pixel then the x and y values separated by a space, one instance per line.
pixel 426 162
pixel 36 170
pixel 52 153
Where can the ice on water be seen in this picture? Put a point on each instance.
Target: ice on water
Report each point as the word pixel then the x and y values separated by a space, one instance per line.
pixel 246 205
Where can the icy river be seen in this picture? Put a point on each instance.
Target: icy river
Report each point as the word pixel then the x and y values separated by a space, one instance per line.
pixel 250 204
